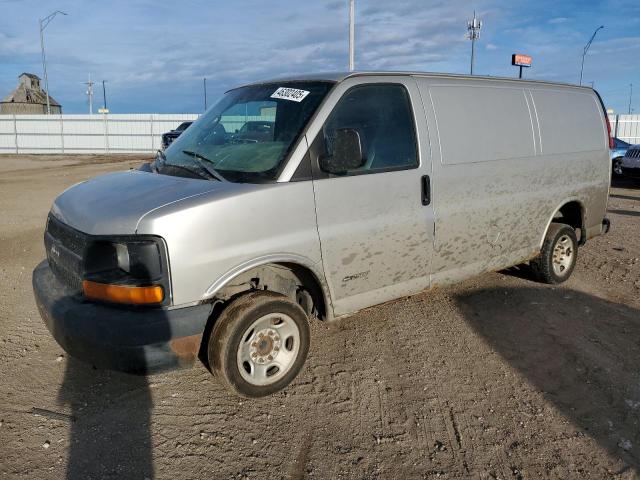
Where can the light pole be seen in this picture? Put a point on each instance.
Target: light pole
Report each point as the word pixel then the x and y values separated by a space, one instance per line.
pixel 104 94
pixel 586 49
pixel 205 93
pixel 43 24
pixel 352 34
pixel 89 85
pixel 473 27
pixel 630 95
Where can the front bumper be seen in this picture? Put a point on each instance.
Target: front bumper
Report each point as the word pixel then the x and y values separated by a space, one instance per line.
pixel 143 340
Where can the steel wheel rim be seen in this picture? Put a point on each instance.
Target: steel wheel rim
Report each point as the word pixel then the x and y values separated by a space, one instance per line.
pixel 268 349
pixel 563 255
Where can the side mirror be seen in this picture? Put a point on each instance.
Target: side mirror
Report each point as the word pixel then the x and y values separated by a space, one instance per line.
pixel 347 153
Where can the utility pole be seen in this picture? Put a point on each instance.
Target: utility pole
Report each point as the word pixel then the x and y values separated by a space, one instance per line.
pixel 104 95
pixel 586 49
pixel 630 95
pixel 43 24
pixel 89 93
pixel 352 34
pixel 473 28
pixel 205 93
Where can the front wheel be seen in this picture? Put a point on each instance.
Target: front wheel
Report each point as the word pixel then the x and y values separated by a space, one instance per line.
pixel 259 343
pixel 558 256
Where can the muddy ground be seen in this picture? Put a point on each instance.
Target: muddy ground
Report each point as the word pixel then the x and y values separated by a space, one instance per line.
pixel 498 377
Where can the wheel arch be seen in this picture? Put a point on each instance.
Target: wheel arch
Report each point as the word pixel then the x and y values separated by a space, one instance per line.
pixel 239 281
pixel 571 211
pixel 276 273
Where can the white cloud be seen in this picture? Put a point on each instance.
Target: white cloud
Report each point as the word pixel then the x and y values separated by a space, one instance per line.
pixel 13 45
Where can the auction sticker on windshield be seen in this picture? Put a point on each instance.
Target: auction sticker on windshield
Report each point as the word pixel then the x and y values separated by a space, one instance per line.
pixel 292 94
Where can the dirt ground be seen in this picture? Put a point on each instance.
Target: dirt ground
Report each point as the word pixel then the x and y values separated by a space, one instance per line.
pixel 498 377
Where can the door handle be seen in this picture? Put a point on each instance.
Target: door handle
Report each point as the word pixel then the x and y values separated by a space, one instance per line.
pixel 426 189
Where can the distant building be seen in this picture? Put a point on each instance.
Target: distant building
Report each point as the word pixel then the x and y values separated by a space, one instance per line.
pixel 28 98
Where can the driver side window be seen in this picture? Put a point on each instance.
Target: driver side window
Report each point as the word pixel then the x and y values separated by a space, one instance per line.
pixel 381 115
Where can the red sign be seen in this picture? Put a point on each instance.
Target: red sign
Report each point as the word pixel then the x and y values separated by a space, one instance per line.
pixel 520 60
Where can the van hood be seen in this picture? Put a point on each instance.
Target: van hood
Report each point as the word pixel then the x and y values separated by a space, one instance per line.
pixel 114 203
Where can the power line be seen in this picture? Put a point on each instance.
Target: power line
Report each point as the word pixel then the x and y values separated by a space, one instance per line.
pixel 89 94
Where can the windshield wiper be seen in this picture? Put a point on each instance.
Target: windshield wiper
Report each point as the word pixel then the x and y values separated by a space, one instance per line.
pixel 190 170
pixel 203 162
pixel 161 161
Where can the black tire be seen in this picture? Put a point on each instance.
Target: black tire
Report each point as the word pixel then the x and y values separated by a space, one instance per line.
pixel 228 333
pixel 543 265
pixel 617 165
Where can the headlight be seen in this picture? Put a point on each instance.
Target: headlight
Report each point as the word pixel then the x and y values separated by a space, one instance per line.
pixel 131 270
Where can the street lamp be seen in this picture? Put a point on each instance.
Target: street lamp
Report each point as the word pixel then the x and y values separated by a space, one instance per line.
pixel 43 24
pixel 586 49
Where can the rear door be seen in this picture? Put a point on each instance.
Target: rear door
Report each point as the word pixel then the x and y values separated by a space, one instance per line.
pixel 376 232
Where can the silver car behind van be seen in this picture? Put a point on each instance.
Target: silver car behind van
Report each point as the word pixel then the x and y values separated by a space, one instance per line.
pixel 315 197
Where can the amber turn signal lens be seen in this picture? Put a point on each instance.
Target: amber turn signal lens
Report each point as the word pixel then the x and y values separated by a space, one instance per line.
pixel 123 294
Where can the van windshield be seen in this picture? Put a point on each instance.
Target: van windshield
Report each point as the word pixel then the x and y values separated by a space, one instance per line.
pixel 248 134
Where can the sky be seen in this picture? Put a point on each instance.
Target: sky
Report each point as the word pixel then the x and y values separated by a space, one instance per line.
pixel 155 54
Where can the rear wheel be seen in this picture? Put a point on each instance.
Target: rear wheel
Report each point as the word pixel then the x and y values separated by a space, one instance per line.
pixel 259 343
pixel 558 256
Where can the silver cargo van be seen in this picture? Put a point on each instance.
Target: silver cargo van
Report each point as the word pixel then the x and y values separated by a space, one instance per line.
pixel 347 190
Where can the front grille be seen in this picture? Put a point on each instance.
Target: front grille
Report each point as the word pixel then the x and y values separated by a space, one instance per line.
pixel 634 153
pixel 65 251
pixel 70 238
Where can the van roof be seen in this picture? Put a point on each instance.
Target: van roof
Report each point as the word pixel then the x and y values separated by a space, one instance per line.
pixel 340 76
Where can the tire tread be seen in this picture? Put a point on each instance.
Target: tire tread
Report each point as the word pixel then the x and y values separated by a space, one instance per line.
pixel 542 266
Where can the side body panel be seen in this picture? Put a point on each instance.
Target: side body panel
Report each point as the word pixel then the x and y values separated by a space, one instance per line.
pixel 375 234
pixel 497 185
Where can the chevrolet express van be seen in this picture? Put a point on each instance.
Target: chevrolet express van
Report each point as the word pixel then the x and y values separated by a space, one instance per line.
pixel 356 189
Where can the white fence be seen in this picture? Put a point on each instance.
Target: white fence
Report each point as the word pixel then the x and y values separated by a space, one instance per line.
pixel 131 133
pixel 626 127
pixel 127 133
